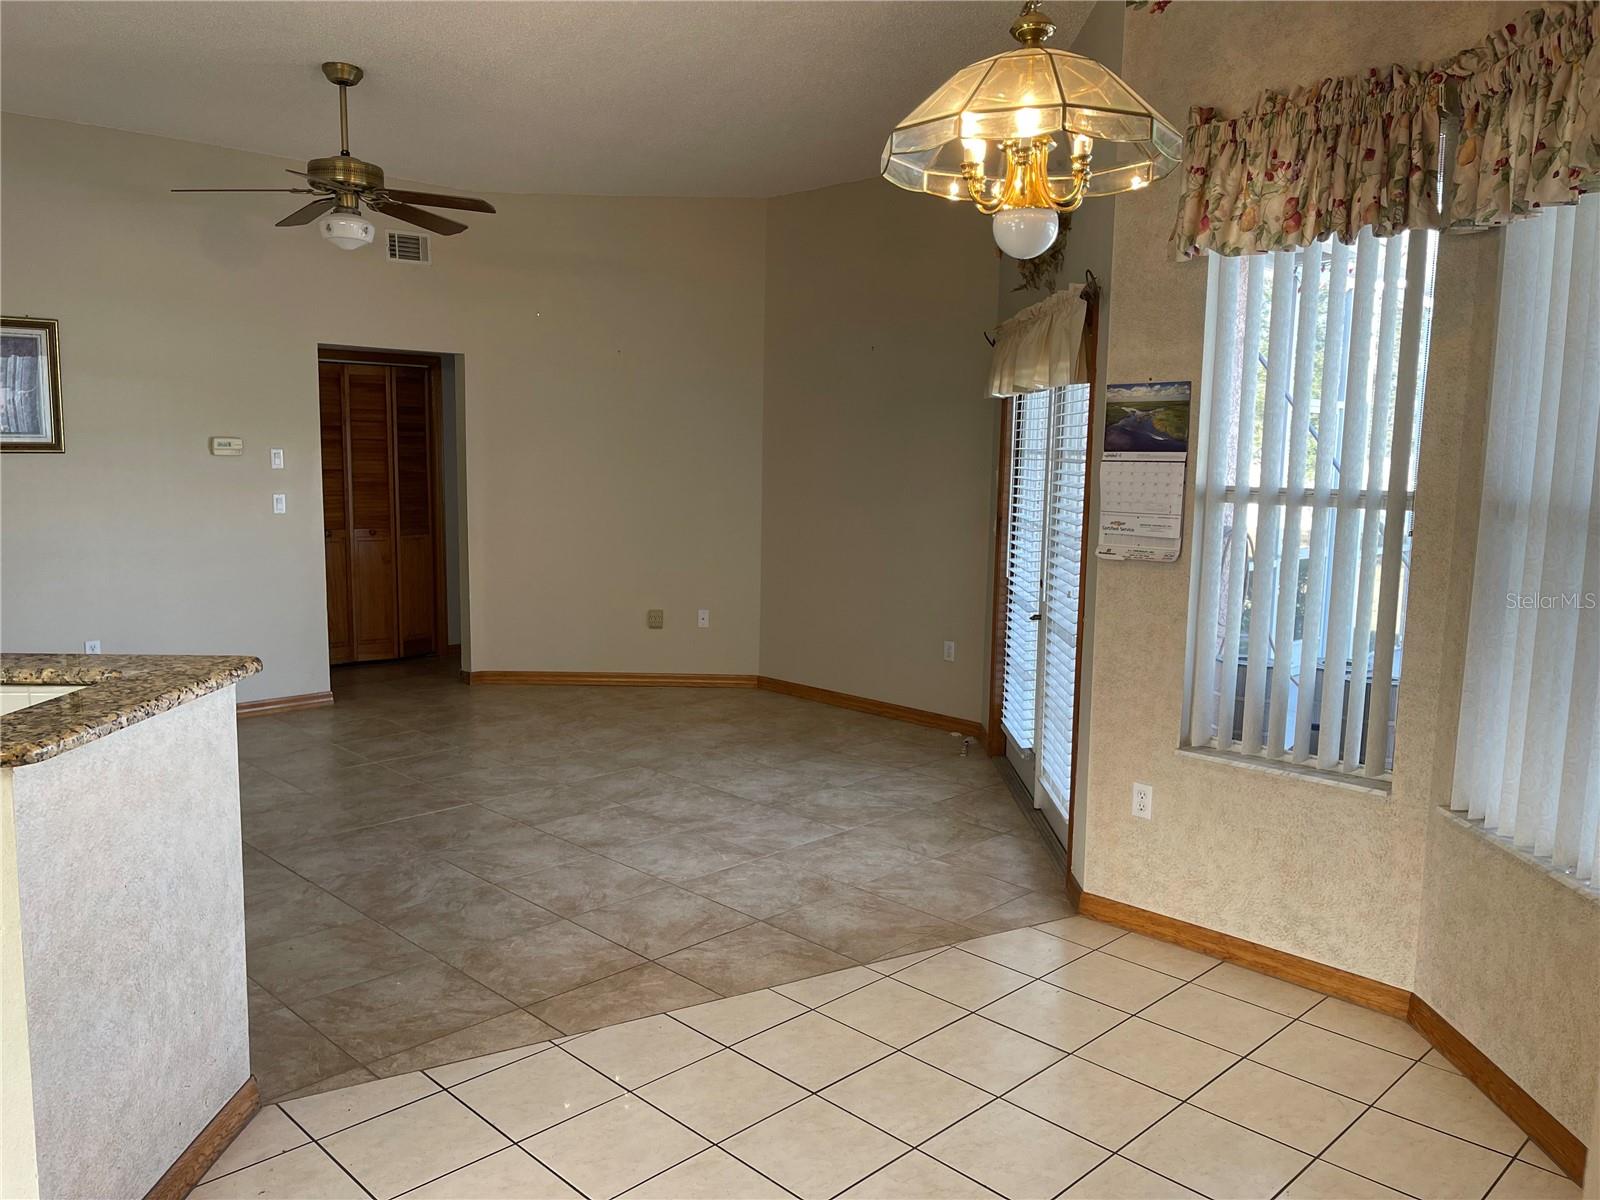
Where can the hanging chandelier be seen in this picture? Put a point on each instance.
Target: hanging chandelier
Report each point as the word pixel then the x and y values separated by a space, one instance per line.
pixel 987 134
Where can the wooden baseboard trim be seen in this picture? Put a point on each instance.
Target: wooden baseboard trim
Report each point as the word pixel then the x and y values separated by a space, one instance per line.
pixel 607 679
pixel 283 704
pixel 1563 1146
pixel 1347 985
pixel 878 708
pixel 1074 890
pixel 1554 1138
pixel 208 1145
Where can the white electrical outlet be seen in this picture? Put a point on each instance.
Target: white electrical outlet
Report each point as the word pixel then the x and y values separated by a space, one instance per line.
pixel 1144 799
pixel 949 652
pixel 277 459
pixel 92 647
pixel 704 620
pixel 280 503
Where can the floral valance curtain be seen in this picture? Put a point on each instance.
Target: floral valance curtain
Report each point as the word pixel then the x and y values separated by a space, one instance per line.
pixel 1365 150
pixel 1324 160
pixel 1530 116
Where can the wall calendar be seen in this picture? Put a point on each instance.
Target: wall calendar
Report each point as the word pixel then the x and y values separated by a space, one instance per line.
pixel 1143 461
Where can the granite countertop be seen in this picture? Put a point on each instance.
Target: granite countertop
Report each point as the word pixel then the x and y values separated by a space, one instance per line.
pixel 118 690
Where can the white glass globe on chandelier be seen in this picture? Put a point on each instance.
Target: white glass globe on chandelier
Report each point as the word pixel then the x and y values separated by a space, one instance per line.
pixel 987 133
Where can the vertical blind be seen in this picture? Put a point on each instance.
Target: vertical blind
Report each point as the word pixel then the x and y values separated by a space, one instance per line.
pixel 1044 569
pixel 1304 479
pixel 1528 749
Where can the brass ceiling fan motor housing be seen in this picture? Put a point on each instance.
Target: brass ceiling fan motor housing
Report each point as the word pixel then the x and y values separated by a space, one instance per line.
pixel 345 173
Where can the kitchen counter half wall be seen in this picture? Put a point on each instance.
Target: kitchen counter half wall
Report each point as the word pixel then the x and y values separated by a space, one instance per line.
pixel 117 690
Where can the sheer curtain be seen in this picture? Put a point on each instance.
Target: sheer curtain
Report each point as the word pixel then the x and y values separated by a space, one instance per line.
pixel 1528 750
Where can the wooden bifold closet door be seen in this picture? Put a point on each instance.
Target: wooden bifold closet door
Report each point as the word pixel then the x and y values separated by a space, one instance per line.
pixel 378 494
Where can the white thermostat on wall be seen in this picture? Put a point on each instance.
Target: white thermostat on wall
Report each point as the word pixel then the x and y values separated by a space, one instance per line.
pixel 227 445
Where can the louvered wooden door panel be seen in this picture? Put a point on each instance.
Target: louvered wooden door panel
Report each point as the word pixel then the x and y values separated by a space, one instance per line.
pixel 414 509
pixel 372 548
pixel 335 513
pixel 380 496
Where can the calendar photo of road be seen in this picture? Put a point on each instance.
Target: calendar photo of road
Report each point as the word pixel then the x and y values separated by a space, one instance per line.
pixel 1147 418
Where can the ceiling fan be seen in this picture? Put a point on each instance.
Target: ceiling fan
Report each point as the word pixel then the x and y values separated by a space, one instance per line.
pixel 342 183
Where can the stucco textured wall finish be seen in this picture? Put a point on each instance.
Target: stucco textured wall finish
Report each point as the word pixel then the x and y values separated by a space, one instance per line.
pixel 132 903
pixel 1321 871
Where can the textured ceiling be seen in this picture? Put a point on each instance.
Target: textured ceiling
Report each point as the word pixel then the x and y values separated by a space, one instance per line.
pixel 680 98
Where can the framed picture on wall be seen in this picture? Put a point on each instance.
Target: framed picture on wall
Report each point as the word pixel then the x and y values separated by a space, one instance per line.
pixel 30 386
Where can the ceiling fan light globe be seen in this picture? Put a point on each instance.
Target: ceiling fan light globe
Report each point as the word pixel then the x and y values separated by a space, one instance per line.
pixel 346 231
pixel 1026 232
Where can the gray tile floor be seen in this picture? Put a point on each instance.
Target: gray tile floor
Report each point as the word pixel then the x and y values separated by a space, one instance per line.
pixel 434 871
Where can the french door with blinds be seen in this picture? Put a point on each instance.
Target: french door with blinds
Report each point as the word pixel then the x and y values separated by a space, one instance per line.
pixel 1048 473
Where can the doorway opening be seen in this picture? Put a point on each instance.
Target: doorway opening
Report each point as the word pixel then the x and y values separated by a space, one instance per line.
pixel 390 503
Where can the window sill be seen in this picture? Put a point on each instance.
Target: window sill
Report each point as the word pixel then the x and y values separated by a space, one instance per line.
pixel 1378 786
pixel 1543 865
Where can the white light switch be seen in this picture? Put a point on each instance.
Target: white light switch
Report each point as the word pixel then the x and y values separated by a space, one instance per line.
pixel 949 652
pixel 280 503
pixel 277 459
pixel 705 618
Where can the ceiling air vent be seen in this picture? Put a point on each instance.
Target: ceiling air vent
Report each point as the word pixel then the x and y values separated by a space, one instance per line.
pixel 408 247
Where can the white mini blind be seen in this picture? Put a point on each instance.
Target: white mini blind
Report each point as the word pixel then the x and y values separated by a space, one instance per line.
pixel 1304 477
pixel 1066 497
pixel 1528 748
pixel 1029 417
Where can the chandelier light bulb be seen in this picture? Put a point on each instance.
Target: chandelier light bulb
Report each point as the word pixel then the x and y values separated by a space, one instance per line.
pixel 1026 232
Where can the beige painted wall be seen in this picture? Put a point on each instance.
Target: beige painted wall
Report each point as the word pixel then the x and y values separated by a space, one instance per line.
pixel 613 359
pixel 1314 869
pixel 879 450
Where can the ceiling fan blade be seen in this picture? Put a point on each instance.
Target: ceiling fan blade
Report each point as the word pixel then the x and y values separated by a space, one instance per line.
pixel 302 191
pixel 432 222
pixel 435 200
pixel 308 213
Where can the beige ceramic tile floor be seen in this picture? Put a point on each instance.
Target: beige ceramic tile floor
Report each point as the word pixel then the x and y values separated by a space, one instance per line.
pixel 434 871
pixel 1064 1060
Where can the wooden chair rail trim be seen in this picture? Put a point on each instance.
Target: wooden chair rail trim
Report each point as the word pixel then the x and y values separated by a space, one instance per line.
pixel 281 704
pixel 1563 1146
pixel 208 1145
pixel 880 708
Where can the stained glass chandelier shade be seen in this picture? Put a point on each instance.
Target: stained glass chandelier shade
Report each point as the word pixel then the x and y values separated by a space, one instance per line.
pixel 1018 130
